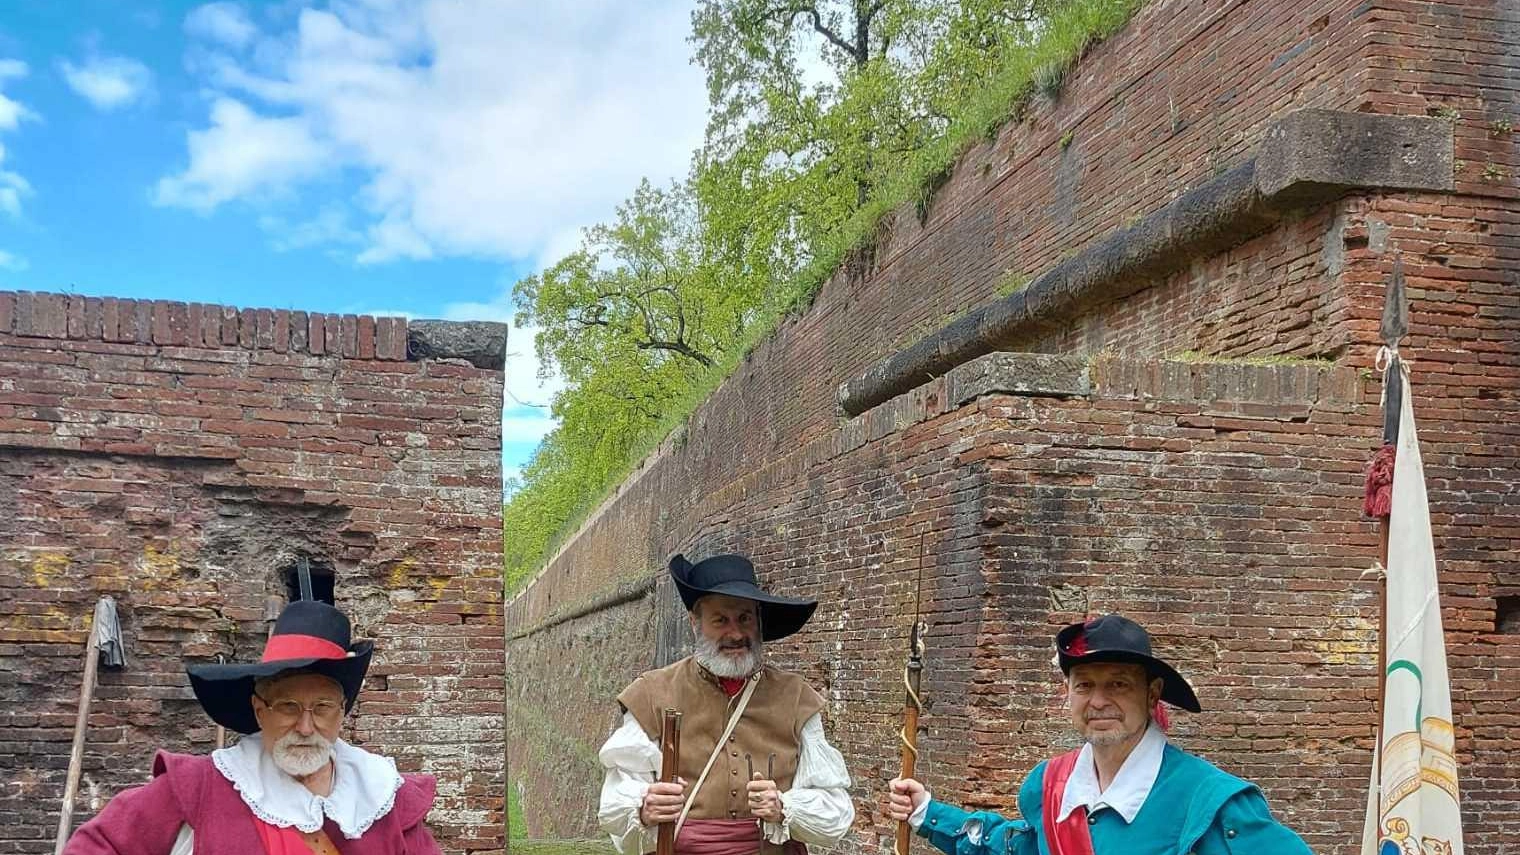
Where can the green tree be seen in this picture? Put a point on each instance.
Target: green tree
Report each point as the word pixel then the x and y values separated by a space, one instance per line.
pixel 634 291
pixel 631 321
pixel 816 105
pixel 823 115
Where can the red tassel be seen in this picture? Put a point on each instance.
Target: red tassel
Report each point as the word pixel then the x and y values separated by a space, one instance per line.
pixel 1377 499
pixel 1162 720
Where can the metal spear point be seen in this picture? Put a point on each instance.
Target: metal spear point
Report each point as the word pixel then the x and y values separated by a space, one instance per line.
pixel 1395 323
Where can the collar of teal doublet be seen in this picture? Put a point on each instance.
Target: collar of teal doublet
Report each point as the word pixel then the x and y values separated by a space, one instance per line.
pixel 1184 800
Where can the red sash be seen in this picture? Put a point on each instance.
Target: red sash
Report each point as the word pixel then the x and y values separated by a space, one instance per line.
pixel 1070 837
pixel 727 837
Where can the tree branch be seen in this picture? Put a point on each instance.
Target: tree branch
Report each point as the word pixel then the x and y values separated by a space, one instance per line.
pixel 791 11
pixel 680 347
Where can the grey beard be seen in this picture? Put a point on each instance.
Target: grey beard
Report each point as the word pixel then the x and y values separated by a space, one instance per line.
pixel 718 664
pixel 1104 740
pixel 299 756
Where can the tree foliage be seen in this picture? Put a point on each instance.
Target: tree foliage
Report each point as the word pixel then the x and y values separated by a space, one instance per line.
pixel 823 114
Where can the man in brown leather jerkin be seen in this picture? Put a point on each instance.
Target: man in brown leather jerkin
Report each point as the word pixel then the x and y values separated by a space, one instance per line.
pixel 755 771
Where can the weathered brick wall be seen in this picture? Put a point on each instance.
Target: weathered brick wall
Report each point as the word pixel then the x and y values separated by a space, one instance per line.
pixel 179 458
pixel 1219 504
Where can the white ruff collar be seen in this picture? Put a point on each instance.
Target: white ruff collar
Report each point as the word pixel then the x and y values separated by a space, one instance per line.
pixel 364 787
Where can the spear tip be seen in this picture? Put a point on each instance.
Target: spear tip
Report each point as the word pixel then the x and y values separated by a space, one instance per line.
pixel 1395 323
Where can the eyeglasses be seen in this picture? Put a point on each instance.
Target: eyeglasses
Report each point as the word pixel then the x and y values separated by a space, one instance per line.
pixel 289 711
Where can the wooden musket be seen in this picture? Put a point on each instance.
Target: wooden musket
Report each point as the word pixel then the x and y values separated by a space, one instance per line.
pixel 670 754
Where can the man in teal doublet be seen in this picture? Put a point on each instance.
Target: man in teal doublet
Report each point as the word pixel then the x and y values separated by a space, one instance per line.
pixel 1127 791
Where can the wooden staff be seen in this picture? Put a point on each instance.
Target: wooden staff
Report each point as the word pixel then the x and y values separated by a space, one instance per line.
pixel 105 633
pixel 909 735
pixel 670 756
pixel 912 703
pixel 1393 327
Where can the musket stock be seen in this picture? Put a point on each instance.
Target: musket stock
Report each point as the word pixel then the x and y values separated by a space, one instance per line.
pixel 670 754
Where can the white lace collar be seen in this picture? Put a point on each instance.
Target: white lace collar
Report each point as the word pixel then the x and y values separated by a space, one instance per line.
pixel 1130 786
pixel 364 787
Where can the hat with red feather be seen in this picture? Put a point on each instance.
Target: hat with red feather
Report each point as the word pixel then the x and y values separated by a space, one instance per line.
pixel 1115 638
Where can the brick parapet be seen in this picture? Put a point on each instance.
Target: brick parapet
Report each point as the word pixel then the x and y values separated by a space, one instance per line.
pixel 162 323
pixel 74 317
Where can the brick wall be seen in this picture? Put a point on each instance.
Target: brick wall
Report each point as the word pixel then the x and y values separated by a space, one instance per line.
pixel 1218 504
pixel 180 458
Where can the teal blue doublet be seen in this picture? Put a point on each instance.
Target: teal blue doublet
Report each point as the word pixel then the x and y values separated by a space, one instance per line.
pixel 1194 807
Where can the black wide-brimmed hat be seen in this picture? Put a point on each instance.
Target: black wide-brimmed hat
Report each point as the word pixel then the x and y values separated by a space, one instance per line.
pixel 310 636
pixel 1115 638
pixel 734 576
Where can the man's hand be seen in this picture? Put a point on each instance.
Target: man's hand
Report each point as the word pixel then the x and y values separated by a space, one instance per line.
pixel 663 802
pixel 764 799
pixel 903 796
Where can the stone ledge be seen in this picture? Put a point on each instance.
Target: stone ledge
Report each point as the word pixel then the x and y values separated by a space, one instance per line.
pixel 483 344
pixel 1234 387
pixel 1312 152
pixel 1036 375
pixel 1226 381
pixel 1308 158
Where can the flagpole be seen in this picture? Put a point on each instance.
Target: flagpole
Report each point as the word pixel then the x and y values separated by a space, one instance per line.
pixel 1413 794
pixel 1379 488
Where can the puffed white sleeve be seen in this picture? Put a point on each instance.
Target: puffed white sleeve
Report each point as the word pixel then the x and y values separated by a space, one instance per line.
pixel 817 809
pixel 632 761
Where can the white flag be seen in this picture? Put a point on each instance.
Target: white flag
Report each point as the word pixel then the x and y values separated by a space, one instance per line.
pixel 1416 811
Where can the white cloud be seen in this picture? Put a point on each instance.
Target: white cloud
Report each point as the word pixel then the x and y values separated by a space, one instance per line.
pixel 13 188
pixel 223 23
pixel 244 155
pixel 108 82
pixel 12 112
pixel 486 128
pixel 11 261
pixel 559 245
pixel 330 226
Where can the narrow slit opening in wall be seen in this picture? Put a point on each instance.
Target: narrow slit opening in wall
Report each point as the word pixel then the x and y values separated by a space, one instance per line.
pixel 1507 615
pixel 323 582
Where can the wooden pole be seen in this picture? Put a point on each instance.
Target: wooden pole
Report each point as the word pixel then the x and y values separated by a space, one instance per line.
pixel 910 742
pixel 670 756
pixel 76 753
pixel 1382 651
pixel 1392 327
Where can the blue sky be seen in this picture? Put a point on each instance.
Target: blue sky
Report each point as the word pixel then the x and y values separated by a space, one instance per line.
pixel 380 156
